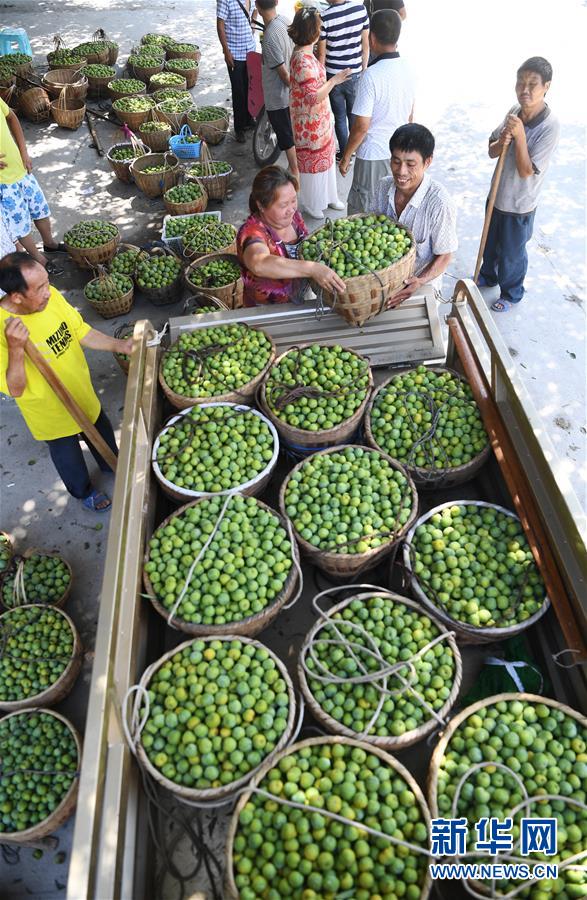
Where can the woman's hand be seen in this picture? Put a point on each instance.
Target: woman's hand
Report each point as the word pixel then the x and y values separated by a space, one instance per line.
pixel 27 162
pixel 327 278
pixel 341 77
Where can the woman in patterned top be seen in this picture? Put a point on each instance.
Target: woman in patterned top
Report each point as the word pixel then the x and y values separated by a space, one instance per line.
pixel 267 244
pixel 310 116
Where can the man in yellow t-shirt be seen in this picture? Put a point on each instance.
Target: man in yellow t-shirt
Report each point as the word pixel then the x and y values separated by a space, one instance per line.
pixel 22 201
pixel 31 308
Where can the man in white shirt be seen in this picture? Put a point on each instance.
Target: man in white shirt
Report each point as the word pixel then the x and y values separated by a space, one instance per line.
pixel 384 101
pixel 419 203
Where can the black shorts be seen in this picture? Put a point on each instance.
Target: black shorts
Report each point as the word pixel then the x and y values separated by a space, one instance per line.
pixel 281 122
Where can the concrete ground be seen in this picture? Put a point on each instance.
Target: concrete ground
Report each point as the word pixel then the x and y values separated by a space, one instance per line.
pixel 465 58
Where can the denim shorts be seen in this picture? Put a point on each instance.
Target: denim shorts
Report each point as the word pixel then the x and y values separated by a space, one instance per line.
pixel 22 204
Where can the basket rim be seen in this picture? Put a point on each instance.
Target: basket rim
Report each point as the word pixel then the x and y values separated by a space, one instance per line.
pixel 215 793
pixel 212 174
pixel 256 618
pixel 39 551
pixel 490 633
pixel 203 260
pixel 19 836
pixel 172 165
pixel 422 471
pixel 325 434
pixel 240 488
pixel 368 554
pixel 386 757
pixel 125 162
pixel 389 742
pixel 74 660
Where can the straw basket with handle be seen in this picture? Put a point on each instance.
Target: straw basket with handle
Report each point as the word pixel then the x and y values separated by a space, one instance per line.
pixel 167 293
pixel 161 80
pixel 6 551
pixel 35 104
pixel 55 81
pixel 341 563
pixel 157 139
pixel 121 167
pixel 117 291
pixel 230 295
pixel 210 123
pixel 341 751
pixel 284 394
pixel 187 67
pixel 144 71
pixel 67 111
pixel 100 36
pixel 117 89
pixel 24 620
pixel 174 111
pixel 198 304
pixel 361 630
pixel 365 294
pixel 196 649
pixel 186 207
pixel 134 115
pixel 11 726
pixel 62 57
pixel 18 590
pixel 212 237
pixel 90 255
pixel 98 84
pixel 7 86
pixel 154 184
pixel 183 51
pixel 425 438
pixel 95 52
pixel 213 174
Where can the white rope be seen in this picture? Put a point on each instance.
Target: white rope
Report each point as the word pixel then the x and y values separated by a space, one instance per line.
pixel 159 335
pixel 19 597
pixel 511 666
pixel 297 566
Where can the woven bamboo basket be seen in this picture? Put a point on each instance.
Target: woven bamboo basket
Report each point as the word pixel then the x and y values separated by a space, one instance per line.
pixel 68 113
pixel 248 627
pixel 155 184
pixel 109 309
pixel 212 131
pixel 7 87
pixel 113 52
pixel 63 684
pixel 33 551
pixel 65 809
pixel 100 55
pixel 82 61
pixel 158 141
pixel 329 437
pixel 134 120
pixel 230 295
pixel 184 209
pixel 231 891
pixel 216 186
pixel 121 167
pixel 253 487
pixel 229 250
pixel 118 93
pixel 6 544
pixel 365 295
pixel 196 302
pixel 56 80
pixel 211 795
pixel 348 565
pixel 24 70
pixel 466 634
pixel 123 248
pixel 176 120
pixel 35 104
pixel 168 294
pixel 154 85
pixel 143 73
pixel 387 742
pixel 123 331
pixel 91 257
pixel 98 87
pixel 245 394
pixel 195 54
pixel 190 75
pixel 429 478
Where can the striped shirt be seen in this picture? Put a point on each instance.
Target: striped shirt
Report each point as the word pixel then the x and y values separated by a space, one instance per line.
pixel 342 28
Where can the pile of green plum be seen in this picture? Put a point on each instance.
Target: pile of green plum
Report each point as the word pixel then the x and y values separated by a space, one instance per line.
pixel 46 579
pixel 209 362
pixel 357 246
pixel 177 226
pixel 123 154
pixel 166 79
pixel 93 233
pixel 65 56
pixel 171 93
pixel 209 238
pixel 214 448
pixel 36 647
pixel 398 633
pixel 337 381
pixel 13 61
pixel 183 48
pixel 127 86
pixel 205 170
pixel 108 287
pixel 146 60
pixel 157 271
pixel 545 750
pixel 158 40
pixel 39 763
pixel 217 710
pixel 96 70
pixel 5 551
pixel 94 48
pixel 209 114
pixel 151 127
pixel 286 853
pixel 428 419
pixel 474 562
pixel 183 193
pixel 125 262
pixel 136 104
pixel 175 105
pixel 214 274
pixel 181 65
pixel 157 169
pixel 242 572
pixel 351 500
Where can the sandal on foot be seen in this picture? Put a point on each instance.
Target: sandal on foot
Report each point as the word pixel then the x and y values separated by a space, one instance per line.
pixel 60 248
pixel 53 268
pixel 93 501
pixel 501 305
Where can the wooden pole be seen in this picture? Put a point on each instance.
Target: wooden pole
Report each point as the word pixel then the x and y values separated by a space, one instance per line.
pixel 94 134
pixel 517 484
pixel 70 404
pixel 490 204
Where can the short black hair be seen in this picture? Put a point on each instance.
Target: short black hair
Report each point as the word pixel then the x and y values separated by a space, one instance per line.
pixel 413 137
pixel 386 25
pixel 539 65
pixel 266 5
pixel 12 280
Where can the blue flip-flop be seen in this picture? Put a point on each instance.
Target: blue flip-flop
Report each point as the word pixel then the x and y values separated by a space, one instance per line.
pixel 92 500
pixel 501 305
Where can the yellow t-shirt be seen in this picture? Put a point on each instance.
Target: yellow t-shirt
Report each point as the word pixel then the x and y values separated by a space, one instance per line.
pixel 15 169
pixel 56 331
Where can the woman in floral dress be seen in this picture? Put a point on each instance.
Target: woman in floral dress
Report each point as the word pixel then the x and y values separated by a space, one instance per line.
pixel 311 116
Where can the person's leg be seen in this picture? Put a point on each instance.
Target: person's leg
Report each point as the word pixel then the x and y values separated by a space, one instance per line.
pixel 29 245
pixel 338 105
pixel 488 271
pixel 104 428
pixel 240 85
pixel 43 226
pixel 513 258
pixel 68 459
pixel 281 123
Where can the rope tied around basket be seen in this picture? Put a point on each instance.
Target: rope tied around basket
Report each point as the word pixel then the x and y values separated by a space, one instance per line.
pixel 289 393
pixel 202 357
pixel 7 632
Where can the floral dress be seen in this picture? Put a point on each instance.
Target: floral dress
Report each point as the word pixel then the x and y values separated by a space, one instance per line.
pixel 260 291
pixel 310 119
